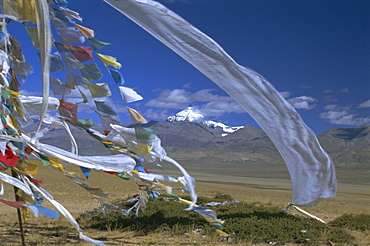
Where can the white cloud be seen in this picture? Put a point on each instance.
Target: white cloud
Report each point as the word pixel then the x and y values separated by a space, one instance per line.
pixel 344 117
pixel 365 104
pixel 31 93
pixel 160 114
pixel 181 98
pixel 303 102
pixel 204 101
pixel 331 107
pixel 344 90
pixel 216 109
pixel 285 94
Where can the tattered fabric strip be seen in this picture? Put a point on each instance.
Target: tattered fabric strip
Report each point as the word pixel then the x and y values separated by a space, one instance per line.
pixel 311 170
pixel 16 182
pixel 68 216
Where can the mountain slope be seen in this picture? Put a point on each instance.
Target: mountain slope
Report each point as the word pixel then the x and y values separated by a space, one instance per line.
pixel 184 140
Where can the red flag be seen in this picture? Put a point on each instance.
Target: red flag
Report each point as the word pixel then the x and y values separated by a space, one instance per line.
pixel 9 158
pixel 82 53
pixel 15 204
pixel 68 111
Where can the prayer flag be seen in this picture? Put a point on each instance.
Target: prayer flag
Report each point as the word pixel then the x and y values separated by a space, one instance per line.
pixel 129 95
pixel 144 133
pixel 82 53
pixel 136 117
pixel 107 108
pixel 109 60
pixel 71 35
pixel 99 90
pixel 87 32
pixel 91 71
pixel 68 111
pixel 71 14
pixel 117 76
pixel 96 44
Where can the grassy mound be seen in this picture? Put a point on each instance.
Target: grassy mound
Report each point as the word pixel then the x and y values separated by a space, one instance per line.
pixel 252 223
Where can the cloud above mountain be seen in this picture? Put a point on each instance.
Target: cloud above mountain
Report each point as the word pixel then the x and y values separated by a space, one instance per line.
pixel 339 115
pixel 303 102
pixel 203 101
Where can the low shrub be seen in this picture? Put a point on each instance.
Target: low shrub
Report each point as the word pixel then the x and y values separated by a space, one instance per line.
pixel 359 222
pixel 244 222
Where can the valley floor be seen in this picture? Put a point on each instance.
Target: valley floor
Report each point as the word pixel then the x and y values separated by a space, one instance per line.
pixel 273 189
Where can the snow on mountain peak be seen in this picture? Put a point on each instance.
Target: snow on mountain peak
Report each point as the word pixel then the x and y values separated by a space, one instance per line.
pixel 189 114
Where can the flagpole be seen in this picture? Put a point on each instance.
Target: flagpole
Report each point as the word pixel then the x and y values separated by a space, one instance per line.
pixel 20 222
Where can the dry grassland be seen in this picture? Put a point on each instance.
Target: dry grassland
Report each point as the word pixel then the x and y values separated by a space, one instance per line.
pixel 352 198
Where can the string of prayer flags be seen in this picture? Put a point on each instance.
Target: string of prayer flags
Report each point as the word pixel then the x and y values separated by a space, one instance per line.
pixel 109 61
pixel 87 32
pixel 129 95
pixel 97 44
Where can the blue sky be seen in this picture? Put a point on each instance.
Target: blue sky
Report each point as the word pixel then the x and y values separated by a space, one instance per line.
pixel 316 53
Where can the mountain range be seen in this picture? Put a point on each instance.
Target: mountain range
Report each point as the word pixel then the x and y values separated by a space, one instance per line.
pixel 185 140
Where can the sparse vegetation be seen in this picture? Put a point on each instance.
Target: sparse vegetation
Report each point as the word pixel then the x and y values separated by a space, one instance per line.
pixel 246 222
pixel 258 220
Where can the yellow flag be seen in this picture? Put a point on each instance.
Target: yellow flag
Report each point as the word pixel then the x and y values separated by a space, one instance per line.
pixel 142 149
pixel 22 9
pixel 222 233
pixel 31 168
pixel 136 117
pixel 109 60
pixel 87 32
pixel 54 162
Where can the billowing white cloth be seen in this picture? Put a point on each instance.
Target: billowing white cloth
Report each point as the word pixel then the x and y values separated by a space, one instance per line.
pixel 16 182
pixel 311 170
pixel 114 163
pixel 45 39
pixel 152 176
pixel 33 105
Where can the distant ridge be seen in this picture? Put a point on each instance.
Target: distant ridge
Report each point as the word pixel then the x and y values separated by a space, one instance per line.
pixel 187 140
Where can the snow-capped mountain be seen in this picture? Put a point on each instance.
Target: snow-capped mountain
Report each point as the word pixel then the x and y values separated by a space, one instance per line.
pixel 188 114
